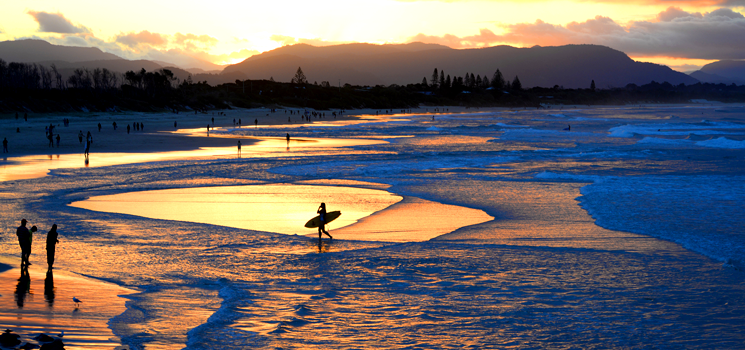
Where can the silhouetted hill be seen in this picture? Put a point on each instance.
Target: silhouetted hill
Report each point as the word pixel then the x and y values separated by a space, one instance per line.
pixel 714 78
pixel 571 66
pixel 727 72
pixel 31 50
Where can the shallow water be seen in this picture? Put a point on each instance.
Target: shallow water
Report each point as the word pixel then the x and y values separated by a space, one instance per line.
pixel 572 258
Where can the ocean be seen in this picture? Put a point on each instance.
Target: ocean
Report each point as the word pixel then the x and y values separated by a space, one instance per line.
pixel 607 227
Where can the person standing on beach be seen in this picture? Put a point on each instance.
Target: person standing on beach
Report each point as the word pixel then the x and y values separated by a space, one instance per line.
pixel 322 217
pixel 58 138
pixel 50 137
pixel 24 241
pixel 256 121
pixel 87 148
pixel 99 130
pixel 239 148
pixel 51 245
pixel 5 145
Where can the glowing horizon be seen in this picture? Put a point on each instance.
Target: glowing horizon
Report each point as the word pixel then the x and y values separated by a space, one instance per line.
pixel 191 33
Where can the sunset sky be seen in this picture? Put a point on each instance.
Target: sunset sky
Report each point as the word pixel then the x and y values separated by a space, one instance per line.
pixel 681 34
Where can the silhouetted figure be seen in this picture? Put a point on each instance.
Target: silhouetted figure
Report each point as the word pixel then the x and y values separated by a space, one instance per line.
pixel 114 125
pixel 175 125
pixel 239 148
pixel 50 137
pixel 80 136
pixel 322 217
pixel 213 120
pixel 58 138
pixel 128 129
pixel 99 129
pixel 256 122
pixel 24 240
pixel 568 128
pixel 208 130
pixel 87 148
pixel 5 145
pixel 51 245
pixel 49 288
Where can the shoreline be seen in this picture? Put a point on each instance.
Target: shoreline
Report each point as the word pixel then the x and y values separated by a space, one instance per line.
pixel 42 302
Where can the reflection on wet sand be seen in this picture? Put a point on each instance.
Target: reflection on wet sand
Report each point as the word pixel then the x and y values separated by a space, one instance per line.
pixel 29 316
pixel 284 208
pixel 280 208
pixel 34 166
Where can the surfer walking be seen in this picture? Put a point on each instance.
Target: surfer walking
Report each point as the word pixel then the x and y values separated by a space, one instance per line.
pixel 322 217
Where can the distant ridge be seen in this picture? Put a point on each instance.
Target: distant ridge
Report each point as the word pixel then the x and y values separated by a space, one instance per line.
pixel 32 50
pixel 725 72
pixel 570 66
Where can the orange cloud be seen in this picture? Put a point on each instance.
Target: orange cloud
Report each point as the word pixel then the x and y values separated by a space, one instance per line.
pixel 146 38
pixel 288 40
pixel 675 33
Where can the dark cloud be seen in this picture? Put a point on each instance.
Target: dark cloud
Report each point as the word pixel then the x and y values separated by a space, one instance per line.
pixel 675 33
pixel 56 23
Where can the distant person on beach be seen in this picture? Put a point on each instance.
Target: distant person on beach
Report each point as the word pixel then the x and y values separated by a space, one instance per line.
pixel 80 136
pixel 256 121
pixel 175 125
pixel 51 245
pixel 99 130
pixel 208 130
pixel 87 148
pixel 50 137
pixel 114 125
pixel 5 145
pixel 322 217
pixel 58 138
pixel 239 122
pixel 239 148
pixel 24 240
pixel 568 128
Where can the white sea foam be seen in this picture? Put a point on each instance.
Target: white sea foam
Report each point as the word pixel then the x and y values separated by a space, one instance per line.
pixel 722 142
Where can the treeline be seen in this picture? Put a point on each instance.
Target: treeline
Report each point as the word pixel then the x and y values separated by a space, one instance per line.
pixel 34 88
pixel 441 82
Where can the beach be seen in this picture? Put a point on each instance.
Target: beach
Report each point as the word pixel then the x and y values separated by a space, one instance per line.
pixel 477 228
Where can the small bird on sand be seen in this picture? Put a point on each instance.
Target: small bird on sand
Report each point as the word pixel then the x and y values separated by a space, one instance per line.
pixel 76 301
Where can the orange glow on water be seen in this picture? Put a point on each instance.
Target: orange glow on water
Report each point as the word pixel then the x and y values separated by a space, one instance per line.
pixel 273 208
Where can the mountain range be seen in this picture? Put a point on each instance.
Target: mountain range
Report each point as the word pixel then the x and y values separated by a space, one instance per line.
pixel 725 72
pixel 570 66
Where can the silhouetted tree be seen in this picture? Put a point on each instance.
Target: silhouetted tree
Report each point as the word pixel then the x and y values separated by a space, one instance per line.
pixel 592 85
pixel 435 79
pixel 447 82
pixel 299 77
pixel 442 78
pixel 497 81
pixel 516 85
pixel 424 82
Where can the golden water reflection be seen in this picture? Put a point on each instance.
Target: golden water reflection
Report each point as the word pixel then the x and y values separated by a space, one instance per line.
pixel 281 208
pixel 377 215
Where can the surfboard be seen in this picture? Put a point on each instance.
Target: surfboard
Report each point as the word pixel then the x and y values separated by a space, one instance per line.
pixel 316 221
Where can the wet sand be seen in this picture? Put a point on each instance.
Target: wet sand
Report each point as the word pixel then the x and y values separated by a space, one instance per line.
pixel 41 302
